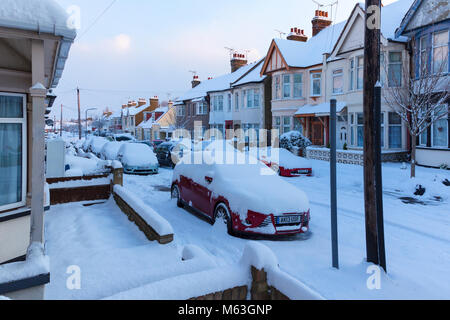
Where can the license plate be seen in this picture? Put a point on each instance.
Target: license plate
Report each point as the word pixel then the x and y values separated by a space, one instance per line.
pixel 289 219
pixel 301 171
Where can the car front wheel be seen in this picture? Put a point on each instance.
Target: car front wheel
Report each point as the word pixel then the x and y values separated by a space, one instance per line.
pixel 223 212
pixel 175 194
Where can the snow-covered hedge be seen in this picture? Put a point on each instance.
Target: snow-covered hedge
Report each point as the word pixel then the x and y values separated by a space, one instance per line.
pixel 294 140
pixel 150 216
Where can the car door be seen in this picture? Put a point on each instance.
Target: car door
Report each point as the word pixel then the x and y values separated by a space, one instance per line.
pixel 202 190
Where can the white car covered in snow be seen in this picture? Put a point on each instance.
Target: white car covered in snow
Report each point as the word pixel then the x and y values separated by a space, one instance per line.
pixel 137 158
pixel 250 197
pixel 110 150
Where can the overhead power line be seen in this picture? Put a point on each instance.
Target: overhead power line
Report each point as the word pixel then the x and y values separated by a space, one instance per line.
pixel 96 19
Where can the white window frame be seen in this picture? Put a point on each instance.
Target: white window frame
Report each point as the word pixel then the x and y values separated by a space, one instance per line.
pixel 256 98
pixel 441 46
pixel 358 68
pixel 432 130
pixel 312 83
pixel 236 101
pixel 202 108
pixel 23 122
pixel 351 84
pixel 287 86
pixel 423 54
pixel 299 84
pixel 392 64
pixel 336 74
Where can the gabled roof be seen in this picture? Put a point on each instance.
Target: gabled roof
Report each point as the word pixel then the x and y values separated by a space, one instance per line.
pixel 433 12
pixel 253 76
pixel 391 16
pixel 297 54
pixel 216 84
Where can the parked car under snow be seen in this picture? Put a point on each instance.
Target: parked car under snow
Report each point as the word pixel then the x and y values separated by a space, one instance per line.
pixel 110 150
pixel 250 198
pixel 285 163
pixel 137 158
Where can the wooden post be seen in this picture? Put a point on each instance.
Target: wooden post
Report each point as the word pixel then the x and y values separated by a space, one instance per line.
pixel 371 77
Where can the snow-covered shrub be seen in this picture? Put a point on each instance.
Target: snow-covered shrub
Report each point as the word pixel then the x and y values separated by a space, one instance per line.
pixel 294 141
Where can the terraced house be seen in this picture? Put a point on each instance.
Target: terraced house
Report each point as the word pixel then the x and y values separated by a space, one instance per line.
pixel 427 25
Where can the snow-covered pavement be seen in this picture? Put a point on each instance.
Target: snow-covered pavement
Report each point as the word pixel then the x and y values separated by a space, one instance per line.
pixel 417 236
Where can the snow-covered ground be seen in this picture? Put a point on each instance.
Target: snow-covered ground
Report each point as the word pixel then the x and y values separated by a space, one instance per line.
pixel 417 236
pixel 114 256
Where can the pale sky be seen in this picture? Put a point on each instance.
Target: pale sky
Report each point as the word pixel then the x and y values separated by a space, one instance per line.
pixel 142 48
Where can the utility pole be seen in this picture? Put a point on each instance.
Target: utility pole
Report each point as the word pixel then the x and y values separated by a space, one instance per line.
pixel 79 114
pixel 371 77
pixel 60 123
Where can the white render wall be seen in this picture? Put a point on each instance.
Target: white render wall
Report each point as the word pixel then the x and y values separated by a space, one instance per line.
pixel 432 157
pixel 15 238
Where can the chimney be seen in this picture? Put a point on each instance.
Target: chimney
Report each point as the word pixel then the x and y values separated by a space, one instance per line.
pixel 297 35
pixel 132 103
pixel 170 104
pixel 124 106
pixel 195 81
pixel 320 22
pixel 154 103
pixel 141 102
pixel 238 60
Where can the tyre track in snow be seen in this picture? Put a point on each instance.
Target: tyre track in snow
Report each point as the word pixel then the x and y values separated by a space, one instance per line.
pixel 357 216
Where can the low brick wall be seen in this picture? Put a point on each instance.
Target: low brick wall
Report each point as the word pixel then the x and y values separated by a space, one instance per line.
pixel 353 156
pixel 87 192
pixel 133 216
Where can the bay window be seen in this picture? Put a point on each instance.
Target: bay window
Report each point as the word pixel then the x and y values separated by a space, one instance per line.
pixel 229 102
pixel 236 101
pixel 250 98
pixel 13 151
pixel 423 62
pixel 277 123
pixel 357 129
pixel 202 108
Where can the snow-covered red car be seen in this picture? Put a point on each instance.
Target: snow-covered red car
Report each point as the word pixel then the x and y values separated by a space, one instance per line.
pixel 285 162
pixel 250 197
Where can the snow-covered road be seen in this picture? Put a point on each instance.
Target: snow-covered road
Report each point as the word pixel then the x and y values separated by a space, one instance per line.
pixel 417 236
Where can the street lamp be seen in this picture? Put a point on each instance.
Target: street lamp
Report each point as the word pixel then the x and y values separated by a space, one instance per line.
pixel 85 134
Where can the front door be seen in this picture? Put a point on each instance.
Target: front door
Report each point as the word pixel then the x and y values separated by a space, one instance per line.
pixel 317 133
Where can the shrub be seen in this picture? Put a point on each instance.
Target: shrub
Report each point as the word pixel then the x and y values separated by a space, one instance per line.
pixel 294 140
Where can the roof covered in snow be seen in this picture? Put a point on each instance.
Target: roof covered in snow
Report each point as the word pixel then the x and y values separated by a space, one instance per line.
pixel 253 76
pixel 44 16
pixel 391 18
pixel 305 54
pixel 216 84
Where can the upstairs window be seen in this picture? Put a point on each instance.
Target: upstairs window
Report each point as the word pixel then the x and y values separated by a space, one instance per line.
pixel 395 69
pixel 298 85
pixel 229 102
pixel 287 86
pixel 236 101
pixel 338 81
pixel 256 98
pixel 360 73
pixel 277 87
pixel 202 108
pixel 440 52
pixel 250 97
pixel 316 84
pixel 423 62
pixel 351 84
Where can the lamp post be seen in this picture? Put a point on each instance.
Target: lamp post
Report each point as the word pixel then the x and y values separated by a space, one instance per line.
pixel 85 134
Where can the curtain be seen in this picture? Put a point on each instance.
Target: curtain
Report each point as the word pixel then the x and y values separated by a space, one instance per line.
pixel 11 107
pixel 10 163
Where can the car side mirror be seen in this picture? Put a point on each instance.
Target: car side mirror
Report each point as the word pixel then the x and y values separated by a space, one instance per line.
pixel 209 179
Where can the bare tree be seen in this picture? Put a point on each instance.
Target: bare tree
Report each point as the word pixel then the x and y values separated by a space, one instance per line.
pixel 417 97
